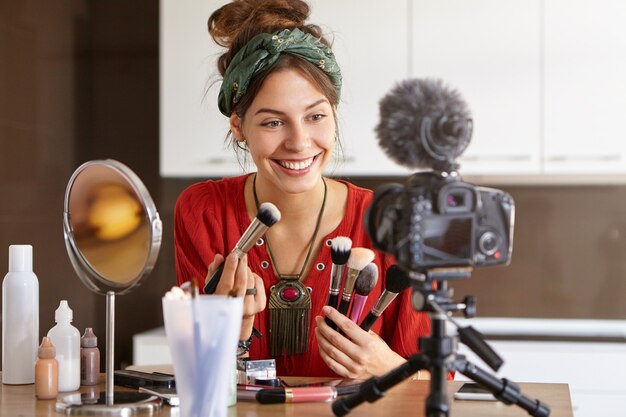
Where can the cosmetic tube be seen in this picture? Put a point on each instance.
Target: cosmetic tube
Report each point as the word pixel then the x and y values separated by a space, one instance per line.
pixel 296 395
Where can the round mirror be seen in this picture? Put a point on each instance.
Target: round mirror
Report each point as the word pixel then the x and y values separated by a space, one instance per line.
pixel 112 229
pixel 113 235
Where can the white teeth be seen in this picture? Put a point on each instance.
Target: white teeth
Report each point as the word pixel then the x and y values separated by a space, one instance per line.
pixel 297 166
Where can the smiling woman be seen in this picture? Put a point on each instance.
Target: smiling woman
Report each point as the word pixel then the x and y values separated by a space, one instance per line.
pixel 280 91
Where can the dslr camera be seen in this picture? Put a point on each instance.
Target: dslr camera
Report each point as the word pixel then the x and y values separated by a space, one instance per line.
pixel 436 220
pixel 440 221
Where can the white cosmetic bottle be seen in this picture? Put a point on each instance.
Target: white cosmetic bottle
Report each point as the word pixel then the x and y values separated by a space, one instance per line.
pixel 66 339
pixel 20 317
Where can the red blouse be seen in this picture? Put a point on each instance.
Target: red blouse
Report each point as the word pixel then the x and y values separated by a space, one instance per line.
pixel 210 218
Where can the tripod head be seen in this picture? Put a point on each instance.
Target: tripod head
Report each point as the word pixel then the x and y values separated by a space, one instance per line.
pixel 432 294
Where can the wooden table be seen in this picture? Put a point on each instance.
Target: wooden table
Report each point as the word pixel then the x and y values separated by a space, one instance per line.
pixel 406 399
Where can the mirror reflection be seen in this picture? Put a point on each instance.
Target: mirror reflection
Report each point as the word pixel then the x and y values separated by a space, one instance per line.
pixel 110 225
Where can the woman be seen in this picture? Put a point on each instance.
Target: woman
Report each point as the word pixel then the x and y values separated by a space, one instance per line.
pixel 280 91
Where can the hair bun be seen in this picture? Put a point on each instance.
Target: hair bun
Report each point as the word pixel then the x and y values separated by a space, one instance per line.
pixel 239 21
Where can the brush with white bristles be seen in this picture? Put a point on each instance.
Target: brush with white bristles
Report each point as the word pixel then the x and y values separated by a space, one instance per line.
pixel 365 283
pixel 267 215
pixel 340 248
pixel 359 258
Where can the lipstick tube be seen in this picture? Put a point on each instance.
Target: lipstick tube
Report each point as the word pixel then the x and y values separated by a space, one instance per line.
pixel 296 395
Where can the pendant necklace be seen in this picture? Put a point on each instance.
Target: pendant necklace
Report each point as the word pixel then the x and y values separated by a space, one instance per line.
pixel 290 301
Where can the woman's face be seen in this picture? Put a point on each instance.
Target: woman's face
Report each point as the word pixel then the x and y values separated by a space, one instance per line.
pixel 290 131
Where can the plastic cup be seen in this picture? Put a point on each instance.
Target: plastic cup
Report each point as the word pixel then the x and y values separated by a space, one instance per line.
pixel 202 334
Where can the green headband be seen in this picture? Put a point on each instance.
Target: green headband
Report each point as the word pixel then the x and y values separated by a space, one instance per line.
pixel 262 52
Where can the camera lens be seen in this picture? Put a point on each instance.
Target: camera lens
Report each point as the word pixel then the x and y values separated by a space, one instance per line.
pixel 488 243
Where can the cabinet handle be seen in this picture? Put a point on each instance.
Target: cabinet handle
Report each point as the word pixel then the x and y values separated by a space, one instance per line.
pixel 219 160
pixel 478 158
pixel 584 158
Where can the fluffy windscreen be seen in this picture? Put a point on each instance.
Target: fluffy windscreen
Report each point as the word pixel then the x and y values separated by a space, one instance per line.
pixel 424 124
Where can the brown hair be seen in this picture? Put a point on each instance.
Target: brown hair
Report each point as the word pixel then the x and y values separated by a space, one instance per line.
pixel 235 24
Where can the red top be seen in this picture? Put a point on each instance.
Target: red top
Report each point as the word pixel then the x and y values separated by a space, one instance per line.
pixel 210 218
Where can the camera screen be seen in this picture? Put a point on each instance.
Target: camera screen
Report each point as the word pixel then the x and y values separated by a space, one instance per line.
pixel 447 239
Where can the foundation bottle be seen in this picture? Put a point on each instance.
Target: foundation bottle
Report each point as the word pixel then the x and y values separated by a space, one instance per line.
pixel 46 371
pixel 89 358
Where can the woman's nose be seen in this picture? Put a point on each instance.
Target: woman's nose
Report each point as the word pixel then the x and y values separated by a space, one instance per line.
pixel 299 139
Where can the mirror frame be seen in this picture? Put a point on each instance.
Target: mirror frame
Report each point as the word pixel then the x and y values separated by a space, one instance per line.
pixel 88 275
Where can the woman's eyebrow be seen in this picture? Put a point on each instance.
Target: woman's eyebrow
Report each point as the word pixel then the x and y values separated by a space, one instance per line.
pixel 278 112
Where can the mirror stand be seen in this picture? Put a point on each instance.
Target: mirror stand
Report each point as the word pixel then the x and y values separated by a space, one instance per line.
pixel 110 403
pixel 112 235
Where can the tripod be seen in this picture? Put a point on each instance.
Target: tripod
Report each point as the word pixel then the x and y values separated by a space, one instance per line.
pixel 438 354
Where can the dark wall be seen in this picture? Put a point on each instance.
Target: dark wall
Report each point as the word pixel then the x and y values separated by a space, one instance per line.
pixel 79 81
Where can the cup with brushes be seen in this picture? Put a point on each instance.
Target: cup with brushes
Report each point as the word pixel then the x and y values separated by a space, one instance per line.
pixel 202 333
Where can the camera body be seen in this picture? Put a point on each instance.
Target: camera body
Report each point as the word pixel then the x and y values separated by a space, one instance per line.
pixel 439 221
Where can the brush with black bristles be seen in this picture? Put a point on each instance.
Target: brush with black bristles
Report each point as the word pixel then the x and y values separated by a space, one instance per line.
pixel 359 258
pixel 396 281
pixel 365 283
pixel 267 215
pixel 340 253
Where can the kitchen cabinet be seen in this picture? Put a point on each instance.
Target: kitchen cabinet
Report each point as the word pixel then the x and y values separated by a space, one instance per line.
pixel 489 50
pixel 585 87
pixel 192 129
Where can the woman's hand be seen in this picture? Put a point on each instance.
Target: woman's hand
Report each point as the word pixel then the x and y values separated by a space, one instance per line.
pixel 358 354
pixel 236 279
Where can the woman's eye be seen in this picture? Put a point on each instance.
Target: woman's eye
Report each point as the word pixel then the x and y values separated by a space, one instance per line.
pixel 318 117
pixel 272 123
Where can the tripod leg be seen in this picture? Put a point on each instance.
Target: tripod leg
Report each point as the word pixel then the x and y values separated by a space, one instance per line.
pixel 504 390
pixel 439 348
pixel 375 387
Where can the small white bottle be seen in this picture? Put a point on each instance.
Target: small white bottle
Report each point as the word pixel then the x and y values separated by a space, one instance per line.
pixel 20 317
pixel 66 339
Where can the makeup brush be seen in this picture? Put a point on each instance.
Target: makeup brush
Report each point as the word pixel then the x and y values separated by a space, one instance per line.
pixel 359 258
pixel 266 217
pixel 396 281
pixel 340 253
pixel 365 283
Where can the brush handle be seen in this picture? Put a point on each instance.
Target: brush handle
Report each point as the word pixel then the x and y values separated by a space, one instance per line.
pixel 211 286
pixel 357 307
pixel 369 321
pixel 343 305
pixel 332 301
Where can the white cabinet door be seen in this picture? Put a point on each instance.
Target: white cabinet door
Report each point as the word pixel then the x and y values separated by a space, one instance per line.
pixel 192 128
pixel 585 86
pixel 490 51
pixel 371 46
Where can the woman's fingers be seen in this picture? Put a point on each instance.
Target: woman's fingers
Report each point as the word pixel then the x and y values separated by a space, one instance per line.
pixel 217 261
pixel 337 351
pixel 329 360
pixel 254 303
pixel 227 281
pixel 241 277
